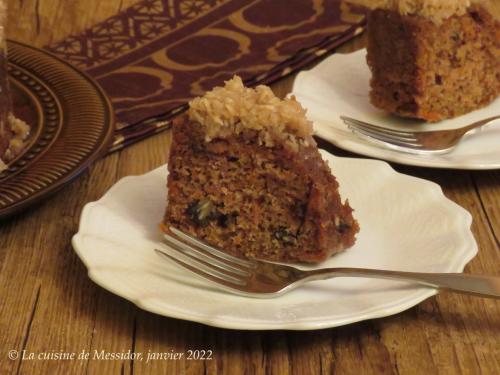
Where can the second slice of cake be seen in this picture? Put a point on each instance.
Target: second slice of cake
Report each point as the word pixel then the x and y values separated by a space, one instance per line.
pixel 245 175
pixel 433 60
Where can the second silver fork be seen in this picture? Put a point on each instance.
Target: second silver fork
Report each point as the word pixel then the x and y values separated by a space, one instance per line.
pixel 425 142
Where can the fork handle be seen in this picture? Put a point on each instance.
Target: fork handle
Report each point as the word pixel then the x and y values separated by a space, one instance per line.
pixel 478 285
pixel 478 124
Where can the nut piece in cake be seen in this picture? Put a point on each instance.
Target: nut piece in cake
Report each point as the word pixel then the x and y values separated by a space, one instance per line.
pixel 245 175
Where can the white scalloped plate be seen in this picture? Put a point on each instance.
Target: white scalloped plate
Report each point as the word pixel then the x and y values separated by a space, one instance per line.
pixel 406 224
pixel 339 85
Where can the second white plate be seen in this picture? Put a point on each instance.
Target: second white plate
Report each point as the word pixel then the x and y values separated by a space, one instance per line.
pixel 340 86
pixel 406 224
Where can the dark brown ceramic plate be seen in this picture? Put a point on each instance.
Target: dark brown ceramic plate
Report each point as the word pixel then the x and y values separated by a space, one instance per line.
pixel 71 126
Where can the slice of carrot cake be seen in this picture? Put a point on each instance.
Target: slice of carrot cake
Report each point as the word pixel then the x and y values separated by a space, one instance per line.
pixel 433 60
pixel 245 175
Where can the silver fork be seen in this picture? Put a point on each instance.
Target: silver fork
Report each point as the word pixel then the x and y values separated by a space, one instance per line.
pixel 262 279
pixel 425 142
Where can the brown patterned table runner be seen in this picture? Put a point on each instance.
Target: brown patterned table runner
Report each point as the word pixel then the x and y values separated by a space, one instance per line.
pixel 158 54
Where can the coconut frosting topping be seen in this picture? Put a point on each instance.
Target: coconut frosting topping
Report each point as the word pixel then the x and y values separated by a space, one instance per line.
pixel 233 108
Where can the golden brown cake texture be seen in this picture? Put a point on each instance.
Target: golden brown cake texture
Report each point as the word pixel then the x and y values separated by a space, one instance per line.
pixel 433 60
pixel 245 175
pixel 13 132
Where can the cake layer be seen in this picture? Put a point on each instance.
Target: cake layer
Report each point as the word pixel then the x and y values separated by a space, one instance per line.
pixel 255 201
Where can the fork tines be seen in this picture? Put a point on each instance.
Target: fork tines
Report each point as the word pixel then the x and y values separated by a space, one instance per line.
pixel 392 136
pixel 206 261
